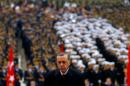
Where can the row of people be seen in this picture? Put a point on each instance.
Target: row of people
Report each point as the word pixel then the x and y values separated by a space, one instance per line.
pixel 37 75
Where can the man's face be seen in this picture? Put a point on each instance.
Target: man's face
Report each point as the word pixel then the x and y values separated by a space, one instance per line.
pixel 63 63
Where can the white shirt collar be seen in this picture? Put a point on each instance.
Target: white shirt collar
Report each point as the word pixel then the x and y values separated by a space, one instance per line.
pixel 65 72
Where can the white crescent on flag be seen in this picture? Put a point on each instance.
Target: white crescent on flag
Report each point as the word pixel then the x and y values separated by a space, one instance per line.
pixel 11 78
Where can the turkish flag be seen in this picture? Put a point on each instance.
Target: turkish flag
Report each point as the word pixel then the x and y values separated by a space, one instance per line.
pixel 10 72
pixel 61 48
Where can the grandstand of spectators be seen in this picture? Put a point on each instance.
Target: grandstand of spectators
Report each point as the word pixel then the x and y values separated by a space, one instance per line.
pixel 97 49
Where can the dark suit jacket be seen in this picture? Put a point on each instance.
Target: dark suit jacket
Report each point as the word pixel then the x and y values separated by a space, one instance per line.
pixel 72 78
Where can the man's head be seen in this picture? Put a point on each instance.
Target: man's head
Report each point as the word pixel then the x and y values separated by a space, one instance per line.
pixel 63 62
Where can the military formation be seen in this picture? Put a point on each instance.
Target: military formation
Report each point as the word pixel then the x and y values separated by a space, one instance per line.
pixel 97 50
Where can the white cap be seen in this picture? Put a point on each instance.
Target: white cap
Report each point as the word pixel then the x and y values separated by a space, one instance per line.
pixel 17 8
pixel 68 50
pixel 80 63
pixel 74 61
pixel 74 56
pixel 73 20
pixel 112 63
pixel 101 60
pixel 126 61
pixel 67 41
pixel 73 52
pixel 91 62
pixel 105 63
pixel 12 5
pixel 67 4
pixel 69 45
pixel 73 5
pixel 31 5
pixel 96 66
pixel 86 55
pixel 82 66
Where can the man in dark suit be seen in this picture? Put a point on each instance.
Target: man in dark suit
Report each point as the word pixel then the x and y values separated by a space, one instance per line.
pixel 3 74
pixel 30 75
pixel 18 75
pixel 63 76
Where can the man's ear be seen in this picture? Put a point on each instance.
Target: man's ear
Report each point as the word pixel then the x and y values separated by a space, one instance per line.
pixel 69 62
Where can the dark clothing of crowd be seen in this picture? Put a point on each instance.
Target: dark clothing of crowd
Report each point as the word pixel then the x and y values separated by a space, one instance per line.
pixel 72 78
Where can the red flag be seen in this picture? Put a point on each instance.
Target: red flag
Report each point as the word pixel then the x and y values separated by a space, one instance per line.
pixel 61 48
pixel 128 67
pixel 10 72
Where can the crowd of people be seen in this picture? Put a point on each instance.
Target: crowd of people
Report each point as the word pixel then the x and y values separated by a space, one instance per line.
pixel 97 49
pixel 29 24
pixel 118 15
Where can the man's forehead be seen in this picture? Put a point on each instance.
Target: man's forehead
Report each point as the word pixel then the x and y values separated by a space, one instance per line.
pixel 63 57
